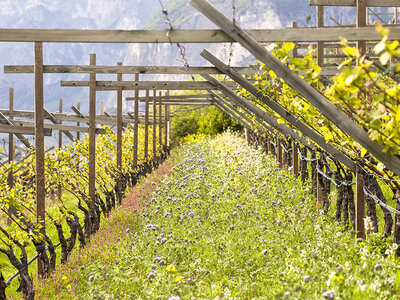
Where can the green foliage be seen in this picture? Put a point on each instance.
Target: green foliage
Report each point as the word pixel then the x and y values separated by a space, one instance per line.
pixel 208 121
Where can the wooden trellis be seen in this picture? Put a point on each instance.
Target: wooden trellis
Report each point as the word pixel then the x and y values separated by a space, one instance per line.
pixel 250 39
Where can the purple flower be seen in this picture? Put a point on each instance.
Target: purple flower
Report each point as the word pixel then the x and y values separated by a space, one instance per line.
pixel 328 294
pixel 163 240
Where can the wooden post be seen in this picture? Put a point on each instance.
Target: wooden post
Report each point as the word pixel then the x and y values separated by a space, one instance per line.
pixel 119 137
pixel 295 160
pixel 60 110
pixel 166 125
pixel 39 145
pixel 146 126
pixel 294 25
pixel 279 152
pixel 320 45
pixel 92 134
pixel 78 134
pixel 361 22
pixel 136 129
pixel 160 123
pixel 11 146
pixel 102 106
pixel 320 197
pixel 154 125
pixel 269 145
pixel 395 15
pixel 360 204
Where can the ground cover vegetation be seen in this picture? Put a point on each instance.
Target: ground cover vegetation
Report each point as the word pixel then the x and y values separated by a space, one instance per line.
pixel 70 219
pixel 226 222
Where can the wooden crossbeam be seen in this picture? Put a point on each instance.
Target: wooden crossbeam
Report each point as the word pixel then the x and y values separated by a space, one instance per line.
pixel 331 112
pixel 16 129
pixel 60 127
pixel 369 3
pixel 280 110
pixel 260 114
pixel 24 140
pixel 51 117
pixel 191 36
pixel 167 102
pixel 67 117
pixel 26 69
pixel 134 85
pixel 172 97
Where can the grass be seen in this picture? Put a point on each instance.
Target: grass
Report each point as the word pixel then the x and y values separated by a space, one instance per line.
pixel 225 223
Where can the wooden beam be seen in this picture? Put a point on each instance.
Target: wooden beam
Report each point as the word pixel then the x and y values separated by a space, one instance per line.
pixel 60 127
pixel 360 204
pixel 369 3
pixel 135 129
pixel 24 140
pixel 134 85
pixel 119 137
pixel 146 125
pixel 320 45
pixel 361 23
pixel 280 110
pixel 50 117
pixel 187 36
pixel 154 124
pixel 338 117
pixel 78 135
pixel 176 97
pixel 26 69
pixel 262 115
pixel 27 130
pixel 60 133
pixel 39 147
pixel 92 136
pixel 160 122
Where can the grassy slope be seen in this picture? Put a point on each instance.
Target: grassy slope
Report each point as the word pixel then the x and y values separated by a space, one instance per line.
pixel 229 224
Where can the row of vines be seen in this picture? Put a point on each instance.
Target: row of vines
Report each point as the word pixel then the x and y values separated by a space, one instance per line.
pixel 72 218
pixel 368 92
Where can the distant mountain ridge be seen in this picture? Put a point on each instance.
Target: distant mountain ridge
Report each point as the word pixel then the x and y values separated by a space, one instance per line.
pixel 123 14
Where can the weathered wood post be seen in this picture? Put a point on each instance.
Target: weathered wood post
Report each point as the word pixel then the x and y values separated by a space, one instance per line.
pixel 154 125
pixel 119 137
pixel 279 152
pixel 295 160
pixel 166 125
pixel 320 45
pixel 360 204
pixel 39 145
pixel 60 110
pixel 92 134
pixel 78 134
pixel 146 126
pixel 320 196
pixel 11 146
pixel 102 107
pixel 160 123
pixel 269 149
pixel 136 129
pixel 361 22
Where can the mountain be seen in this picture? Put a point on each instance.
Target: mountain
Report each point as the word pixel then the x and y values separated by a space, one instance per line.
pixel 123 14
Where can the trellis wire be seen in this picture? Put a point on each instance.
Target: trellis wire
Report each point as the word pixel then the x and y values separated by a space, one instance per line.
pixel 346 183
pixel 305 158
pixel 181 49
pixel 380 202
pixel 286 150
